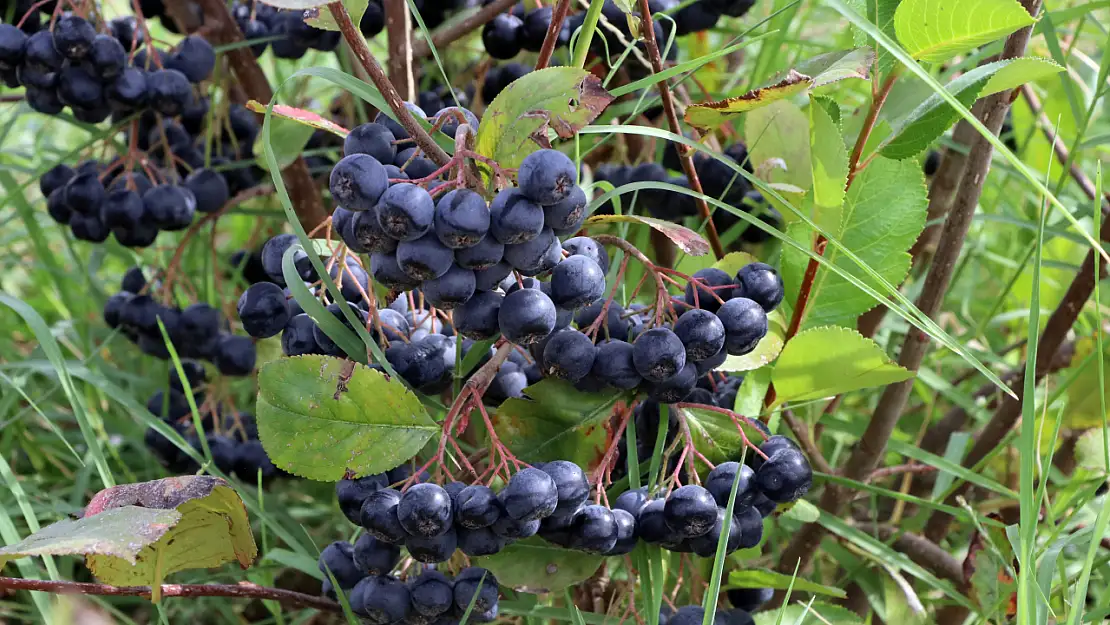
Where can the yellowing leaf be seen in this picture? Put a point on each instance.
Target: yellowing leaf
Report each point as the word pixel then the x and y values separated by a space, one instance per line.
pixel 937 30
pixel 712 114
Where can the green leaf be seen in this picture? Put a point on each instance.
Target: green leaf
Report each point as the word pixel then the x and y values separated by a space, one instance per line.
pixel 937 30
pixel 536 566
pixel 686 239
pixel 120 533
pixel 288 138
pixel 557 422
pixel 749 397
pixel 137 534
pixel 883 214
pixel 716 436
pixel 1090 450
pixel 832 67
pixel 323 418
pixel 803 512
pixel 881 13
pixel 829 164
pixel 781 130
pixel 320 16
pixel 516 123
pixel 764 353
pixel 712 114
pixel 930 119
pixel 991 584
pixel 822 362
pixel 762 578
pixel 1084 403
pixel 815 613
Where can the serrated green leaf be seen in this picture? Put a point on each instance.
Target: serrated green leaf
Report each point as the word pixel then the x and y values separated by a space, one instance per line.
pixel 780 130
pixel 712 114
pixel 883 214
pixel 515 124
pixel 937 30
pixel 557 422
pixel 120 533
pixel 318 421
pixel 762 578
pixel 1090 450
pixel 716 437
pixel 929 120
pixel 881 13
pixel 536 566
pixel 321 16
pixel 822 362
pixel 829 164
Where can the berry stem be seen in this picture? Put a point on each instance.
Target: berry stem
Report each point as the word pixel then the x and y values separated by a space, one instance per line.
pixel 244 590
pixel 358 45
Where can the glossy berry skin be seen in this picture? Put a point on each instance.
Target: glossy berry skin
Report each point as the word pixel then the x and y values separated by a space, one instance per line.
pixel 170 207
pixel 461 218
pixel 375 557
pixel 193 57
pixel 235 355
pixel 123 208
pixel 451 290
pixel 128 91
pixel 381 600
pixel 477 506
pixel 107 57
pixel 614 365
pixel 501 36
pixel 372 139
pixel 169 91
pixel 675 388
pixel 298 336
pixel 432 593
pixel 366 232
pixel 770 447
pixel 425 510
pixel 576 282
pixel 262 310
pixel 84 193
pixel 705 293
pixel 351 494
pixel 526 316
pixel 567 215
pixel 721 478
pixel 706 544
pixel 73 36
pixel 547 176
pixel 477 585
pixel 593 529
pixel 631 501
pixel 585 246
pixel 358 181
pixel 626 533
pixel 338 559
pixel 406 211
pixel 424 258
pixel 568 355
pixel 13 43
pixel 479 542
pixel 760 283
pixel 658 354
pixel 477 318
pixel 748 599
pixel 210 189
pixel 571 484
pixel 379 516
pixel 749 522
pixel 785 477
pixel 251 460
pixel 701 332
pixel 511 530
pixel 514 218
pixel 530 495
pixel 386 271
pixel 690 511
pixel 433 549
pixel 745 324
pixel 651 524
pixel 536 255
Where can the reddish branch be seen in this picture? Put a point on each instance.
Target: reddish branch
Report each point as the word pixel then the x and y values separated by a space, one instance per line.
pixel 244 590
pixel 869 450
pixel 358 46
pixel 552 36
pixel 398 29
pixel 453 32
pixel 685 153
pixel 222 30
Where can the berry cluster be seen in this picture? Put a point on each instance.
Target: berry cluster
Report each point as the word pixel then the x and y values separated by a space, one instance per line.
pixel 363 571
pixel 232 438
pixel 198 331
pixel 285 32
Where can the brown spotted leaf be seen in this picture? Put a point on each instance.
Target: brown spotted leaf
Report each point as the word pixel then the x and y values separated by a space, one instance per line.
pixel 686 239
pixel 839 65
pixel 301 116
pixel 560 99
pixel 713 114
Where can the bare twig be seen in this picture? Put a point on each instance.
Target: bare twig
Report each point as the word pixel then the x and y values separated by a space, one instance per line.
pixel 801 432
pixel 921 550
pixel 871 445
pixel 222 30
pixel 399 35
pixel 685 153
pixel 552 37
pixel 354 39
pixel 453 32
pixel 243 590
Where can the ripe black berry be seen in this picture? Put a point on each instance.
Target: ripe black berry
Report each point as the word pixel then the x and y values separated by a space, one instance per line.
pixel 358 181
pixel 501 36
pixel 210 189
pixel 675 388
pixel 381 599
pixel 406 211
pixel 462 218
pixel 658 354
pixel 745 324
pixel 547 176
pixel 720 480
pixel 432 549
pixel 479 542
pixel 536 255
pixel 262 310
pixel 477 318
pixel 568 355
pixel 235 355
pixel 749 522
pixel 379 516
pixel 571 484
pixel 760 283
pixel 526 316
pixel 424 257
pixel 451 290
pixel 375 557
pixel 690 511
pixel 373 139
pixel 425 510
pixel 785 477
pixel 514 218
pixel 701 332
pixel 708 282
pixel 73 36
pixel 475 581
pixel 338 559
pixel 476 507
pixel 432 593
pixel 530 495
pixel 169 91
pixel 193 57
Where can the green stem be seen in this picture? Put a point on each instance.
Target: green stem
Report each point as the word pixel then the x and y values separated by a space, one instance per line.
pixel 585 38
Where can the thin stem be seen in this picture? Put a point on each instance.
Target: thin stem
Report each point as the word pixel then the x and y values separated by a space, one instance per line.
pixel 362 52
pixel 586 36
pixel 244 590
pixel 552 36
pixel 685 153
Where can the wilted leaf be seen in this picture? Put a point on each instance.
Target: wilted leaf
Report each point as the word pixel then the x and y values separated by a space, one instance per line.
pixel 301 116
pixel 515 124
pixel 120 533
pixel 712 114
pixel 320 421
pixel 840 65
pixel 536 566
pixel 686 239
